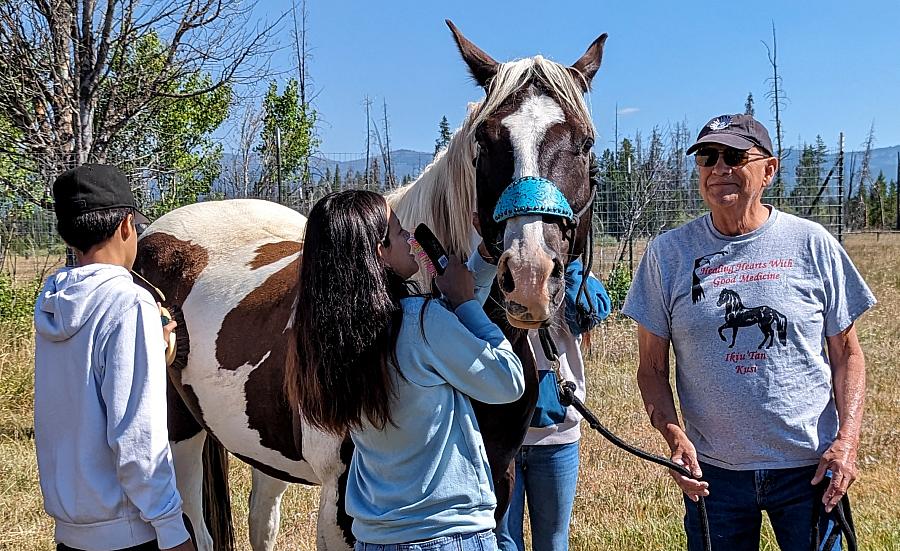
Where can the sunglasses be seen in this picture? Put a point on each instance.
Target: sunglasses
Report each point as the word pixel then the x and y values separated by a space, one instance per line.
pixel 708 157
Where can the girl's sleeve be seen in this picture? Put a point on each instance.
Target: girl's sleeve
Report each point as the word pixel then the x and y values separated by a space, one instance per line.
pixel 471 353
pixel 484 273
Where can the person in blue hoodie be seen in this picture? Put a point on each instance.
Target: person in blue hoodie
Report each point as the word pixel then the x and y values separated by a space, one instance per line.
pixel 548 461
pixel 396 371
pixel 104 462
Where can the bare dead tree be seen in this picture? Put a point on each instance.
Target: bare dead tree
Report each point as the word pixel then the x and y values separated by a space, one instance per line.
pixel 776 98
pixel 305 82
pixel 381 149
pixel 239 179
pixel 69 85
pixel 389 178
pixel 865 174
pixel 368 104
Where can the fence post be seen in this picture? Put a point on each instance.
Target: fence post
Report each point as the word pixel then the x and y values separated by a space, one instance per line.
pixel 897 196
pixel 840 231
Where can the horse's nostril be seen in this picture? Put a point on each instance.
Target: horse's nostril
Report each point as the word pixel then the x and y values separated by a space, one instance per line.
pixel 506 282
pixel 557 268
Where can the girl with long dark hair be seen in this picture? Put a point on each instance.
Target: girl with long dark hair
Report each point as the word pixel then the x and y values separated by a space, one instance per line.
pixel 395 370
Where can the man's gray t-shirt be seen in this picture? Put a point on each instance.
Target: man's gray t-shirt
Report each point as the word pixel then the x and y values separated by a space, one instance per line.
pixel 776 293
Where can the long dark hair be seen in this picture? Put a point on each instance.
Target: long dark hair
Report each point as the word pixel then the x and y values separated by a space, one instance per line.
pixel 348 316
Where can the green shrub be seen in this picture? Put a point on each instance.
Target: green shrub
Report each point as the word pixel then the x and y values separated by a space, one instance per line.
pixel 17 301
pixel 617 284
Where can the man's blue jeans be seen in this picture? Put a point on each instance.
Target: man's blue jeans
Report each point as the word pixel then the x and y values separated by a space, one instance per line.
pixel 736 501
pixel 548 476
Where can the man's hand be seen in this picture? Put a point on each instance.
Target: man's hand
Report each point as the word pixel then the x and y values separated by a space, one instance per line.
pixel 457 284
pixel 684 454
pixel 840 459
pixel 188 545
pixel 167 328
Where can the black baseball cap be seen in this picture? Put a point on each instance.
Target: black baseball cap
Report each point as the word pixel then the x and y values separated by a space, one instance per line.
pixel 89 188
pixel 737 131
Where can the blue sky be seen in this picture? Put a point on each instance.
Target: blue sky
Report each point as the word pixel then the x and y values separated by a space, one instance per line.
pixel 664 62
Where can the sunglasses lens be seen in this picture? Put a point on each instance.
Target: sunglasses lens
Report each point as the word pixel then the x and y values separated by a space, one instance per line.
pixel 707 157
pixel 734 157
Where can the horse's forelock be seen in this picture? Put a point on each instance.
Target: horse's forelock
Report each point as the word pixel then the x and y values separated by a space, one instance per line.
pixel 513 75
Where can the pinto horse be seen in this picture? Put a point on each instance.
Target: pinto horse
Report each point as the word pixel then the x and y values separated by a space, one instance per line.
pixel 229 271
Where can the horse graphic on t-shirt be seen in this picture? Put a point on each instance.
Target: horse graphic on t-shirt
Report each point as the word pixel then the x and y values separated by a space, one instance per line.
pixel 737 316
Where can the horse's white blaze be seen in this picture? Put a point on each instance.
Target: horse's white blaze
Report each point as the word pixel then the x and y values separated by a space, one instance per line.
pixel 524 240
pixel 527 127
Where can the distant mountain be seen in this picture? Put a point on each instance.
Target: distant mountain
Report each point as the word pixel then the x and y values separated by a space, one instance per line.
pixel 404 162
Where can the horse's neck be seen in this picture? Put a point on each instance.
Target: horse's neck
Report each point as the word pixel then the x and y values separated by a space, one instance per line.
pixel 734 304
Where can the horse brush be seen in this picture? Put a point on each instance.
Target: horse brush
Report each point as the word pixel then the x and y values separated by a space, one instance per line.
pixel 422 256
pixel 432 248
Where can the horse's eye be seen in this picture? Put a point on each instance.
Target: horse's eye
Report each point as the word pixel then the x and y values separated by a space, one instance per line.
pixel 587 146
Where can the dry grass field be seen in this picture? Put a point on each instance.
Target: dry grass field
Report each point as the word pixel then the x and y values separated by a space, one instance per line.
pixel 622 503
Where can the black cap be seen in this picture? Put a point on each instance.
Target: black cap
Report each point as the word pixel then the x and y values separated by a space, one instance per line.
pixel 737 131
pixel 89 188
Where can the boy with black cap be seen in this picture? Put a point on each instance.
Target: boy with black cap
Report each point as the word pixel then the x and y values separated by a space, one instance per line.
pixel 100 384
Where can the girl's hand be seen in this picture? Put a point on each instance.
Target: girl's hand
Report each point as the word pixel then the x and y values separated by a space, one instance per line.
pixel 457 284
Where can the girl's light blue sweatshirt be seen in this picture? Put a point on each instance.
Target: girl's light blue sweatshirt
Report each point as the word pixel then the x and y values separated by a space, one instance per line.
pixel 427 475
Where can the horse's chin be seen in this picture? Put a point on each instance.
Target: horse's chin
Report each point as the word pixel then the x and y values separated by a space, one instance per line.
pixel 522 324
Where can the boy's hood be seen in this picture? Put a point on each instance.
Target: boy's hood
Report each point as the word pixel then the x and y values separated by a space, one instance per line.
pixel 71 296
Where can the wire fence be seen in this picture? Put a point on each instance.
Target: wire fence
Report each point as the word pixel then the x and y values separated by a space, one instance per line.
pixel 627 217
pixel 635 203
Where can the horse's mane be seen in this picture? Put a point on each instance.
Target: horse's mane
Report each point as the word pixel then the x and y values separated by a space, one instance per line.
pixel 443 196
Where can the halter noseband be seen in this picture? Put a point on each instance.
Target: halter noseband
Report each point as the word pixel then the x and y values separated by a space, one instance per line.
pixel 536 195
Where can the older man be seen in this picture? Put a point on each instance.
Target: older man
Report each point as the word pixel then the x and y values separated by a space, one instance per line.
pixel 759 306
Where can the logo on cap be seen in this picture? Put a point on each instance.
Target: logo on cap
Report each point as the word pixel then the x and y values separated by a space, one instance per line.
pixel 720 123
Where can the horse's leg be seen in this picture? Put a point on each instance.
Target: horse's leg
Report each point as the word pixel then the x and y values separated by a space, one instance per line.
pixel 733 336
pixel 333 524
pixel 723 326
pixel 767 335
pixel 187 456
pixel 265 510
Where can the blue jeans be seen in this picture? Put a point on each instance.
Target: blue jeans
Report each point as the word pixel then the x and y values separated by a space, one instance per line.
pixel 736 501
pixel 476 541
pixel 548 475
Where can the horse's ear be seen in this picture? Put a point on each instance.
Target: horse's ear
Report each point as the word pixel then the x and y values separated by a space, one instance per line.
pixel 586 67
pixel 482 66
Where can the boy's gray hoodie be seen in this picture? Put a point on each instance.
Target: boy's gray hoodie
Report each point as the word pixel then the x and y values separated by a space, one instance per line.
pixel 100 412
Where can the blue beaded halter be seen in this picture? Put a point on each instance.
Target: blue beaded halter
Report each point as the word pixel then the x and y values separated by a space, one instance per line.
pixel 532 195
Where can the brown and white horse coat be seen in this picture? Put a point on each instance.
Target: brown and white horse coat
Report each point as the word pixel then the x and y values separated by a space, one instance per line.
pixel 232 268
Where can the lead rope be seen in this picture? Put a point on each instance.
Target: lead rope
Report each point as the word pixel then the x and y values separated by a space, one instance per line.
pixel 566 389
pixel 567 398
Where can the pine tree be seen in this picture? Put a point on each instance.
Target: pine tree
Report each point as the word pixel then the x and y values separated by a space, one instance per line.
pixel 375 174
pixel 336 182
pixel 748 106
pixel 443 136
